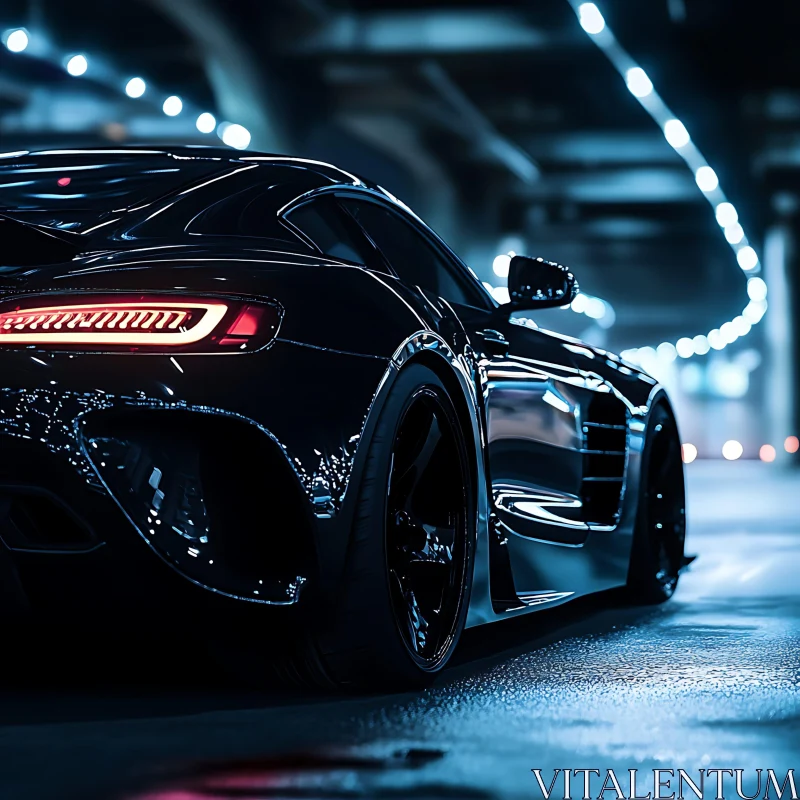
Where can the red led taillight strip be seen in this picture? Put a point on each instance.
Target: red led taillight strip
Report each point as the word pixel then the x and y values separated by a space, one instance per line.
pixel 142 323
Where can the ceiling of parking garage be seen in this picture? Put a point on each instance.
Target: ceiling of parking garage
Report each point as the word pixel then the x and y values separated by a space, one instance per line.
pixel 492 120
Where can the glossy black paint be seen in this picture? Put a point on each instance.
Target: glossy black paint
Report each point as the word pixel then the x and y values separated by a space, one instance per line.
pixel 103 433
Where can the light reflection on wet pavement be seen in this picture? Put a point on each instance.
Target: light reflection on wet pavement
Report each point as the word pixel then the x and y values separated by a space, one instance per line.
pixel 711 679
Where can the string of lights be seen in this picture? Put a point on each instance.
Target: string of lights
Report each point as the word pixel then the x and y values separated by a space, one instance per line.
pixel 675 132
pixel 727 217
pixel 22 41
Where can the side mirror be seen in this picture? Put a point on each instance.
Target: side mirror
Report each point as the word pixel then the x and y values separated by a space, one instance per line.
pixel 535 283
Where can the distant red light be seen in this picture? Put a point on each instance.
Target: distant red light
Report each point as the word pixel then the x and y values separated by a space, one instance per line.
pixel 64 181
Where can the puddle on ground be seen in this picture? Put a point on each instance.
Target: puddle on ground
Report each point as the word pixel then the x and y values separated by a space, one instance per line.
pixel 309 776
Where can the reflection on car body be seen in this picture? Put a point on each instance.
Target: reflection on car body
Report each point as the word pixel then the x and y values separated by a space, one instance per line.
pixel 234 381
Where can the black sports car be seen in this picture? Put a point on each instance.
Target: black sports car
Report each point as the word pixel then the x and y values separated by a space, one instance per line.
pixel 257 394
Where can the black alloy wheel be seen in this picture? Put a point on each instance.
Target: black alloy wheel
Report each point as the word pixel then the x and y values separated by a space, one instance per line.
pixel 661 524
pixel 405 594
pixel 427 526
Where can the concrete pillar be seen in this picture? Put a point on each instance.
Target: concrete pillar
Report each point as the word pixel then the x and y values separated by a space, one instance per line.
pixel 245 90
pixel 780 329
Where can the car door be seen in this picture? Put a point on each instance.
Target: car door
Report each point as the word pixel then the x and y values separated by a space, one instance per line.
pixel 534 444
pixel 536 401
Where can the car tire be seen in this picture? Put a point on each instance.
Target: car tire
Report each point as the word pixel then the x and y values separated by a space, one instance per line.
pixel 406 590
pixel 660 532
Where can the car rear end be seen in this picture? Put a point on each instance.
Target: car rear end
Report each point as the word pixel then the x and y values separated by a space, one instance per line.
pixel 169 453
pixel 123 425
pixel 179 420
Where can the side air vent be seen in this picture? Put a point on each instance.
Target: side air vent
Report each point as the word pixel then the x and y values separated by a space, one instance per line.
pixel 605 452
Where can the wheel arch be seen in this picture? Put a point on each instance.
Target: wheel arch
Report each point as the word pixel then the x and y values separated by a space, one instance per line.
pixel 657 398
pixel 659 401
pixel 660 397
pixel 466 411
pixel 456 372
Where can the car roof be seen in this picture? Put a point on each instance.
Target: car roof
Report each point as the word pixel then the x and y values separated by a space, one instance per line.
pixel 202 152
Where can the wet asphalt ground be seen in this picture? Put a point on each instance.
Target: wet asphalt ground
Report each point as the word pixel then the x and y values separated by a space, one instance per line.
pixel 711 679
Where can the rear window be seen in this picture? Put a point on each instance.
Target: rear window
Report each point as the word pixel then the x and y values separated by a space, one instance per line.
pixel 75 191
pixel 245 203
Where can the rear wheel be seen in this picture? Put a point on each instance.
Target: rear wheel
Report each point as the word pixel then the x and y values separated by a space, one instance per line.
pixel 427 528
pixel 658 546
pixel 404 598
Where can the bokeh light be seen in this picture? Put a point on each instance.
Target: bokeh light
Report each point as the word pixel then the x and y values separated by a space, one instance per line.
pixel 173 106
pixel 591 19
pixel 17 40
pixel 501 265
pixel 676 134
pixel 734 233
pixel 685 347
pixel 500 293
pixel 135 87
pixel 639 84
pixel 206 123
pixel 726 214
pixel 732 450
pixel 756 289
pixel 706 179
pixel 77 65
pixel 236 136
pixel 747 258
pixel 667 352
pixel 701 345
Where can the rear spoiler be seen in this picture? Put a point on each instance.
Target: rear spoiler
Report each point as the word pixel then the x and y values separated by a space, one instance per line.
pixel 24 244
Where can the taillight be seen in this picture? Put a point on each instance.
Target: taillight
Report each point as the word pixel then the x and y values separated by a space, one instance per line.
pixel 155 323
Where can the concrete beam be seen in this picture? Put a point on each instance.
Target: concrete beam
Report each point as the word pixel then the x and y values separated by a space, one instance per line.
pixel 429 32
pixel 629 185
pixel 603 147
pixel 476 126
